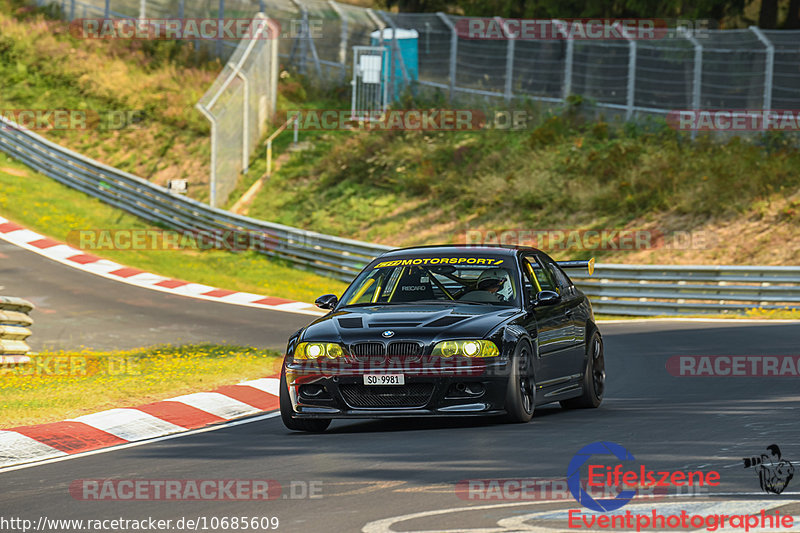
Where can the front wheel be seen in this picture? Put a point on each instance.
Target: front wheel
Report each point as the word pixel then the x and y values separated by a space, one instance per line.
pixel 521 391
pixel 594 377
pixel 312 425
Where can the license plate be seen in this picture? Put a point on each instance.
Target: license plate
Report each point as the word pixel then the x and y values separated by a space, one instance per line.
pixel 384 379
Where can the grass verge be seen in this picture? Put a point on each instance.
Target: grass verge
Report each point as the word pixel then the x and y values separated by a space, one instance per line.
pixel 46 206
pixel 62 385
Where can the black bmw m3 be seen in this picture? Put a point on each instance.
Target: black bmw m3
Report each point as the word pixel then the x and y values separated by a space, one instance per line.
pixel 446 331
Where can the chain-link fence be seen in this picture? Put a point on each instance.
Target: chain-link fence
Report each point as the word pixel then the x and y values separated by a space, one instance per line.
pixel 746 69
pixel 681 70
pixel 239 105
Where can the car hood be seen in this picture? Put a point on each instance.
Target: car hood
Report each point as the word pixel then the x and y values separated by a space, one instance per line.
pixel 425 323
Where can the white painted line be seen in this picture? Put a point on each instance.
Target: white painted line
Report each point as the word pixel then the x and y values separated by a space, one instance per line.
pixel 16 448
pixel 129 424
pixel 143 279
pixel 62 251
pixel 23 236
pixel 139 443
pixel 268 385
pixel 216 404
pixel 193 289
pixel 146 280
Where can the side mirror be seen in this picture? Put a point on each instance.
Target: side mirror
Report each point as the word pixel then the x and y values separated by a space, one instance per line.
pixel 326 301
pixel 546 298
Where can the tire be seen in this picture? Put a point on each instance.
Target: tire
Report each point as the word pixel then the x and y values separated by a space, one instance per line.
pixel 521 390
pixel 594 377
pixel 312 425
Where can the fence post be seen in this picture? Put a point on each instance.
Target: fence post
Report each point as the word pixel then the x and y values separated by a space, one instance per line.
pixel 509 78
pixel 72 10
pixel 570 52
pixel 221 15
pixel 342 36
pixel 212 196
pixel 697 80
pixel 311 45
pixel 245 121
pixel 396 55
pixel 181 9
pixel 453 52
pixel 301 42
pixel 630 97
pixel 142 9
pixel 108 9
pixel 769 65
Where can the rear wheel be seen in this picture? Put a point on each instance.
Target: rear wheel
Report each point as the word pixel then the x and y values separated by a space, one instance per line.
pixel 313 425
pixel 594 376
pixel 521 391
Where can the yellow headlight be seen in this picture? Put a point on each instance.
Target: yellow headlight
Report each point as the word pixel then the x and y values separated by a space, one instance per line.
pixel 467 348
pixel 315 350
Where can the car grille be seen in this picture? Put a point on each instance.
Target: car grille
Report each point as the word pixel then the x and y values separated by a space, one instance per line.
pixel 377 352
pixel 368 351
pixel 409 396
pixel 409 352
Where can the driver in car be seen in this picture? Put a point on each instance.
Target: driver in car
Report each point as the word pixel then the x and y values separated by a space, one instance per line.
pixel 489 286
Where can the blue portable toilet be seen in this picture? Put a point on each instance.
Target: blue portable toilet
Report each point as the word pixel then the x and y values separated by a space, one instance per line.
pixel 408 44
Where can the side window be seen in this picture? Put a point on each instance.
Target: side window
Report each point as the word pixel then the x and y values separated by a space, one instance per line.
pixel 563 282
pixel 543 277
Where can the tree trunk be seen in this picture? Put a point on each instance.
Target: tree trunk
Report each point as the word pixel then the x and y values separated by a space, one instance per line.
pixel 768 17
pixel 793 17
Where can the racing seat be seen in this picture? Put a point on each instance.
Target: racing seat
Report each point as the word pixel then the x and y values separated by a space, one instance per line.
pixel 413 285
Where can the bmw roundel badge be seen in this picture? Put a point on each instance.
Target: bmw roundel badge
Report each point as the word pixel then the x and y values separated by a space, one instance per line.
pixel 388 333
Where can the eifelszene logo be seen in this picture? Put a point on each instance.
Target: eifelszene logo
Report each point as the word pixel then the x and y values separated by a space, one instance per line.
pixel 630 481
pixel 774 472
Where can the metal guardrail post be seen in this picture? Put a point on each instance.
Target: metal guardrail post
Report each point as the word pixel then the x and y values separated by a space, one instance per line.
pixel 769 65
pixel 453 52
pixel 568 60
pixel 509 73
pixel 697 78
pixel 630 97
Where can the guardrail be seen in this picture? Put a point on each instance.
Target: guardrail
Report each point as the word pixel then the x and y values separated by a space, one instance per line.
pixel 332 256
pixel 647 290
pixel 614 289
pixel 14 329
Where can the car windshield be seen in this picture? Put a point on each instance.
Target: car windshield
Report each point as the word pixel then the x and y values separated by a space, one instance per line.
pixel 435 280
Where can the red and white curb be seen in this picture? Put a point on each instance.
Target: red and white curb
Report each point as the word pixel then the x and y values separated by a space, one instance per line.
pixel 73 257
pixel 125 425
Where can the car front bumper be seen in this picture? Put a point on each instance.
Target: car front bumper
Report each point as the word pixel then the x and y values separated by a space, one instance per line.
pixel 477 388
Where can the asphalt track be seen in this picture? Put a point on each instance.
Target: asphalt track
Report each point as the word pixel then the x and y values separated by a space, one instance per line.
pixel 77 309
pixel 368 473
